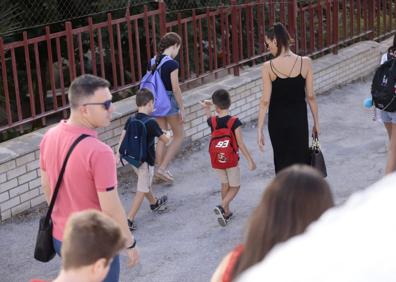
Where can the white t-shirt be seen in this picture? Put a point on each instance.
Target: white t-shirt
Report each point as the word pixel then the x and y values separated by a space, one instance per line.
pixel 355 242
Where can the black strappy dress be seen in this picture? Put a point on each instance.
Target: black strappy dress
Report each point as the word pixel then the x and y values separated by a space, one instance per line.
pixel 288 121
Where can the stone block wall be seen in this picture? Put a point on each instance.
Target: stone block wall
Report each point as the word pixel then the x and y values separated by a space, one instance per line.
pixel 19 158
pixel 348 65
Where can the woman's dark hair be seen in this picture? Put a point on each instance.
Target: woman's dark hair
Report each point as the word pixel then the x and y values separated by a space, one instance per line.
pixel 296 197
pixel 279 32
pixel 168 40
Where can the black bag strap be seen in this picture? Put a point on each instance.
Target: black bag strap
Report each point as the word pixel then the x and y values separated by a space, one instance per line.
pixel 60 177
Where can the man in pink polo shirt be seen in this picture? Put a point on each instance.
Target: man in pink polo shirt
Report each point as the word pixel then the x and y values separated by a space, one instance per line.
pixel 90 179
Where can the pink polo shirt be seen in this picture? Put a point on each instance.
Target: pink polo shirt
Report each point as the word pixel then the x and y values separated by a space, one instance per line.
pixel 91 169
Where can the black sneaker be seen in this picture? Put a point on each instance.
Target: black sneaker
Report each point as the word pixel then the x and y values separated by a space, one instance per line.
pixel 160 205
pixel 132 225
pixel 229 217
pixel 219 211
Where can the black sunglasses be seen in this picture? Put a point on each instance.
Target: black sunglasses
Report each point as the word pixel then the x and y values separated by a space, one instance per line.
pixel 105 104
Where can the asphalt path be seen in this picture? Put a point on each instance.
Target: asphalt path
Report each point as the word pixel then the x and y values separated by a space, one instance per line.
pixel 187 243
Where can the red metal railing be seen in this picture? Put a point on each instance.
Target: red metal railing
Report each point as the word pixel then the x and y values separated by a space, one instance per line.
pixel 36 71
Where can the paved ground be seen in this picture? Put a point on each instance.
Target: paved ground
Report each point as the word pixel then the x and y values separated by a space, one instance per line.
pixel 186 244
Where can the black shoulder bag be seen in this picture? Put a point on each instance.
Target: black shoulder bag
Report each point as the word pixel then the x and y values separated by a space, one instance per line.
pixel 44 250
pixel 316 158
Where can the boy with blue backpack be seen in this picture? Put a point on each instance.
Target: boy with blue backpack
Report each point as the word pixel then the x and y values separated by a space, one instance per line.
pixel 137 147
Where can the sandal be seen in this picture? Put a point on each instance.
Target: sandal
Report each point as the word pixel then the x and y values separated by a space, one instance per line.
pixel 164 175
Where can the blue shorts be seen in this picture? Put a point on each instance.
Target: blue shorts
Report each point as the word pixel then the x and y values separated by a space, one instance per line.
pixel 174 110
pixel 388 117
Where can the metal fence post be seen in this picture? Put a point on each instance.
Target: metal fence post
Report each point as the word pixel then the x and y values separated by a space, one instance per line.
pixel 70 48
pixel 5 82
pixel 235 47
pixel 371 11
pixel 162 16
pixel 292 11
pixel 335 26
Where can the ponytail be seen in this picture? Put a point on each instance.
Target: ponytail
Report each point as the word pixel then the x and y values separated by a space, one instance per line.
pixel 279 32
pixel 168 40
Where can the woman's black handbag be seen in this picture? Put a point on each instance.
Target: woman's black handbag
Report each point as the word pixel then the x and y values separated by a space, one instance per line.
pixel 316 157
pixel 44 250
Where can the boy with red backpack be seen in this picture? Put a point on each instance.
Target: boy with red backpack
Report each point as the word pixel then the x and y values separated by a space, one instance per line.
pixel 223 149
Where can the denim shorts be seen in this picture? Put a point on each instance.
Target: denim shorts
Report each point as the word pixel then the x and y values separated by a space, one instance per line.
pixel 174 110
pixel 388 117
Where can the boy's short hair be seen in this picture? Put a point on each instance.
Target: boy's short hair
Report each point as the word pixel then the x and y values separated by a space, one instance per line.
pixel 143 97
pixel 84 86
pixel 89 236
pixel 221 98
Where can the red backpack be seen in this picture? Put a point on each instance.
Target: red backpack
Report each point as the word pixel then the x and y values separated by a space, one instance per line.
pixel 223 147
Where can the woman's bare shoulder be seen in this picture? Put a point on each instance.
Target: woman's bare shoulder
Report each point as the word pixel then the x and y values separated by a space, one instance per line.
pixel 266 65
pixel 306 60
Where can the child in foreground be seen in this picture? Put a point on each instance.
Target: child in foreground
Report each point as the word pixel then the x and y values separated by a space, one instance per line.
pixel 82 259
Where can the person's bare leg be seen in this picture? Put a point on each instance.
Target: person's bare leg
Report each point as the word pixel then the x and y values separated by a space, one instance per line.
pixel 136 203
pixel 391 163
pixel 160 150
pixel 224 190
pixel 150 197
pixel 177 140
pixel 232 192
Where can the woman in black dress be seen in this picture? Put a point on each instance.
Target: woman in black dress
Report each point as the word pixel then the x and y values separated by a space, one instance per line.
pixel 287 85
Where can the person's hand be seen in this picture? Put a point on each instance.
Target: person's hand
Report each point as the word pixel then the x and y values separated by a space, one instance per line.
pixel 133 257
pixel 260 140
pixel 251 165
pixel 315 131
pixel 206 103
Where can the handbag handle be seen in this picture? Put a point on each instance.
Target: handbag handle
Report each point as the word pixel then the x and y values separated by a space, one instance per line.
pixel 60 177
pixel 315 143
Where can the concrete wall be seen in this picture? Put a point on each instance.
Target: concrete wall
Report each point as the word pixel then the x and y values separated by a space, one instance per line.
pixel 19 165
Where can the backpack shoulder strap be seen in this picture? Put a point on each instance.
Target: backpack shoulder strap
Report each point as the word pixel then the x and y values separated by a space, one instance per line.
pixel 140 121
pixel 131 118
pixel 231 122
pixel 148 119
pixel 214 122
pixel 163 61
pixel 145 120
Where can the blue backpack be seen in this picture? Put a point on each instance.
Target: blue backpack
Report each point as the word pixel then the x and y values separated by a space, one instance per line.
pixel 134 146
pixel 153 82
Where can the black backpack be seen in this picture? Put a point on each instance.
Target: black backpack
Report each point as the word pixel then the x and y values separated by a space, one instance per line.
pixel 383 86
pixel 134 146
